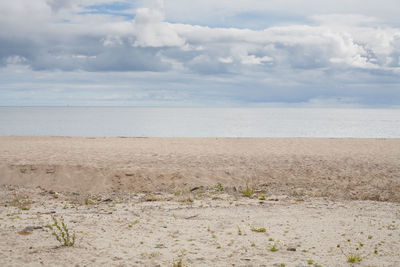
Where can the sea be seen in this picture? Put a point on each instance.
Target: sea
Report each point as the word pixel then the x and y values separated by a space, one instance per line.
pixel 199 122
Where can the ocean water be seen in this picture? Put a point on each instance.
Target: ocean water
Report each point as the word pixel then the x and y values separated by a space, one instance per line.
pixel 199 122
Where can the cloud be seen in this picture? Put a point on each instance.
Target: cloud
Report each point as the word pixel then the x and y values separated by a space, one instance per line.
pixel 150 30
pixel 57 5
pixel 54 44
pixel 315 56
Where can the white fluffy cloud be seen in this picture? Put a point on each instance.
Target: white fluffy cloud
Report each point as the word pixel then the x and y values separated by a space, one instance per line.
pixel 149 30
pixel 68 35
pixel 335 40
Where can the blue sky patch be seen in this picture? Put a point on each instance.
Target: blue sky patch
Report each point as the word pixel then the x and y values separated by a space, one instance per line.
pixel 115 9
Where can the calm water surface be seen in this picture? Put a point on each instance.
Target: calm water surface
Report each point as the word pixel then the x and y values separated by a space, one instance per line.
pixel 199 122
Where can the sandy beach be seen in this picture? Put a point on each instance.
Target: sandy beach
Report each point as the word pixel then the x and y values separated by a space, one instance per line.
pixel 200 201
pixel 366 169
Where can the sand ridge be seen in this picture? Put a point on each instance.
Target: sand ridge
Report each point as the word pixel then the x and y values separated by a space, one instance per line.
pixel 341 168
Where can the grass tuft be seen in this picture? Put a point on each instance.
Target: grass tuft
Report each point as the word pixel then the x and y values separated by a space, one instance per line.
pixel 179 263
pixel 354 258
pixel 239 231
pixel 248 192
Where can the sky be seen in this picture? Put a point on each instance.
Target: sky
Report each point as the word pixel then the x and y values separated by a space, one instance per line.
pixel 200 53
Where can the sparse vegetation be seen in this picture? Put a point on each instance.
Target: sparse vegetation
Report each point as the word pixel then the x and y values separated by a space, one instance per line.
pixel 273 248
pixel 248 192
pixel 259 230
pixel 219 188
pixel 239 231
pixel 352 257
pixel 179 263
pixel 179 193
pixel 88 201
pixel 132 224
pixel 61 232
pixel 22 204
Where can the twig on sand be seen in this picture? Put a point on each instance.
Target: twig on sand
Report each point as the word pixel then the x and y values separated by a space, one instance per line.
pixel 191 217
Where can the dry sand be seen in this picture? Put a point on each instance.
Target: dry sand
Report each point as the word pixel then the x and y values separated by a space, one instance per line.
pixel 341 168
pixel 154 201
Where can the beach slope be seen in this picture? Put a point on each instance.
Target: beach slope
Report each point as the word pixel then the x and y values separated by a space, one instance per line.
pixel 339 168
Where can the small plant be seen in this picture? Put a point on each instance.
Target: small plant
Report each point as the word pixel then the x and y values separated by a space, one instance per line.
pixel 310 262
pixel 354 258
pixel 61 232
pixel 88 201
pixel 219 188
pixel 239 231
pixel 352 252
pixel 21 204
pixel 274 248
pixel 253 244
pixel 369 236
pixel 179 263
pixel 259 230
pixel 270 239
pixel 132 224
pixel 248 192
pixel 262 197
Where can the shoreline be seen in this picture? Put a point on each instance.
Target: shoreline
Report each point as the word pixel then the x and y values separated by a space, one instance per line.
pixel 194 137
